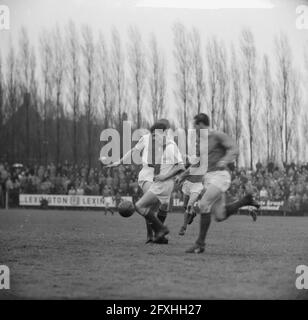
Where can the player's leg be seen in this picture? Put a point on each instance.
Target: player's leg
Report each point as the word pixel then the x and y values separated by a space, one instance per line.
pixel 211 195
pixel 150 231
pixel 184 226
pixel 185 201
pixel 162 212
pixel 191 207
pixel 144 206
pixel 145 186
pixel 163 191
pixel 223 211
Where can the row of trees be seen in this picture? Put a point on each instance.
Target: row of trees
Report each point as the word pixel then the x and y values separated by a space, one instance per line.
pixel 260 103
pixel 57 97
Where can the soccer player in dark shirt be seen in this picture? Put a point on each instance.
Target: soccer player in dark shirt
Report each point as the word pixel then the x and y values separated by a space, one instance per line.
pixel 217 150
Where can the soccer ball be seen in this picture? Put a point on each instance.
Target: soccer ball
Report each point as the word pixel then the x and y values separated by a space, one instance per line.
pixel 126 209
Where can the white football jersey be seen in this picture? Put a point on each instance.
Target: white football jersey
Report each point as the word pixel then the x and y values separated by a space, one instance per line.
pixel 171 157
pixel 146 173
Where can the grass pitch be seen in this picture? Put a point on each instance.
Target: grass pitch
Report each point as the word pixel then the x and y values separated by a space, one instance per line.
pixel 85 254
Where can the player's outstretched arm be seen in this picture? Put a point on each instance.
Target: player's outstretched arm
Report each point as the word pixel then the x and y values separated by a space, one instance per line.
pixel 124 158
pixel 137 148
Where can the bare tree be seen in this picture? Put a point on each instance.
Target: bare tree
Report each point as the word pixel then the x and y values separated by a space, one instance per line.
pixel 58 73
pixel 12 101
pixel 24 63
pixel 198 69
pixel 2 93
pixel 137 63
pixel 305 110
pixel 46 68
pixel 34 93
pixel 74 81
pixel 268 96
pixel 118 72
pixel 212 54
pixel 157 81
pixel 236 96
pixel 223 86
pixel 105 83
pixel 88 50
pixel 183 70
pixel 304 133
pixel 249 73
pixel 294 114
pixel 284 64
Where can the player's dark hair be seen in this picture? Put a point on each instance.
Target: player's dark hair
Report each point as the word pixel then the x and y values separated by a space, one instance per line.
pixel 158 126
pixel 164 121
pixel 202 118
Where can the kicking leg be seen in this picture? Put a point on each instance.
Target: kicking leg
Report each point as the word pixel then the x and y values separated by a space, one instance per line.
pixel 150 230
pixel 143 207
pixel 223 211
pixel 161 216
pixel 150 235
pixel 162 212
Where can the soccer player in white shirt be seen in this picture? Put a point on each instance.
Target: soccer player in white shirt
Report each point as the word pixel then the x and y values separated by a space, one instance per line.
pixel 146 174
pixel 167 163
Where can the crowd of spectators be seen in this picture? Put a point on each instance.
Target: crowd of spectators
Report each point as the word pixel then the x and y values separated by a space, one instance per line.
pixel 288 184
pixel 68 179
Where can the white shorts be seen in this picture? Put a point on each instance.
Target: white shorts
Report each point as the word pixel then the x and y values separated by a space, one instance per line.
pixel 142 182
pixel 162 190
pixel 192 187
pixel 145 174
pixel 220 179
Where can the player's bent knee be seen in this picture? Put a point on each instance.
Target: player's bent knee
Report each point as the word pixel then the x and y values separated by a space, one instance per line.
pixel 219 219
pixel 140 209
pixel 204 207
pixel 219 212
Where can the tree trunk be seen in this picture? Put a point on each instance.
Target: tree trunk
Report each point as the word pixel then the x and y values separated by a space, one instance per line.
pixel 58 130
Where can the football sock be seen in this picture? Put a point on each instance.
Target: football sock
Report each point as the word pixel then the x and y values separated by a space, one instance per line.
pixel 162 215
pixel 149 229
pixel 155 223
pixel 205 221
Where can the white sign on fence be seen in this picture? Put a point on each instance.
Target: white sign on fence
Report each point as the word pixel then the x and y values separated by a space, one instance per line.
pixel 68 200
pixel 268 205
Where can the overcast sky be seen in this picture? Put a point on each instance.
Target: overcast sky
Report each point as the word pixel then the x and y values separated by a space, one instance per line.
pixel 102 14
pixel 275 16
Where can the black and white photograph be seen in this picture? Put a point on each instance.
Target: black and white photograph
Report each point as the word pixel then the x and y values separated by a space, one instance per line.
pixel 154 150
